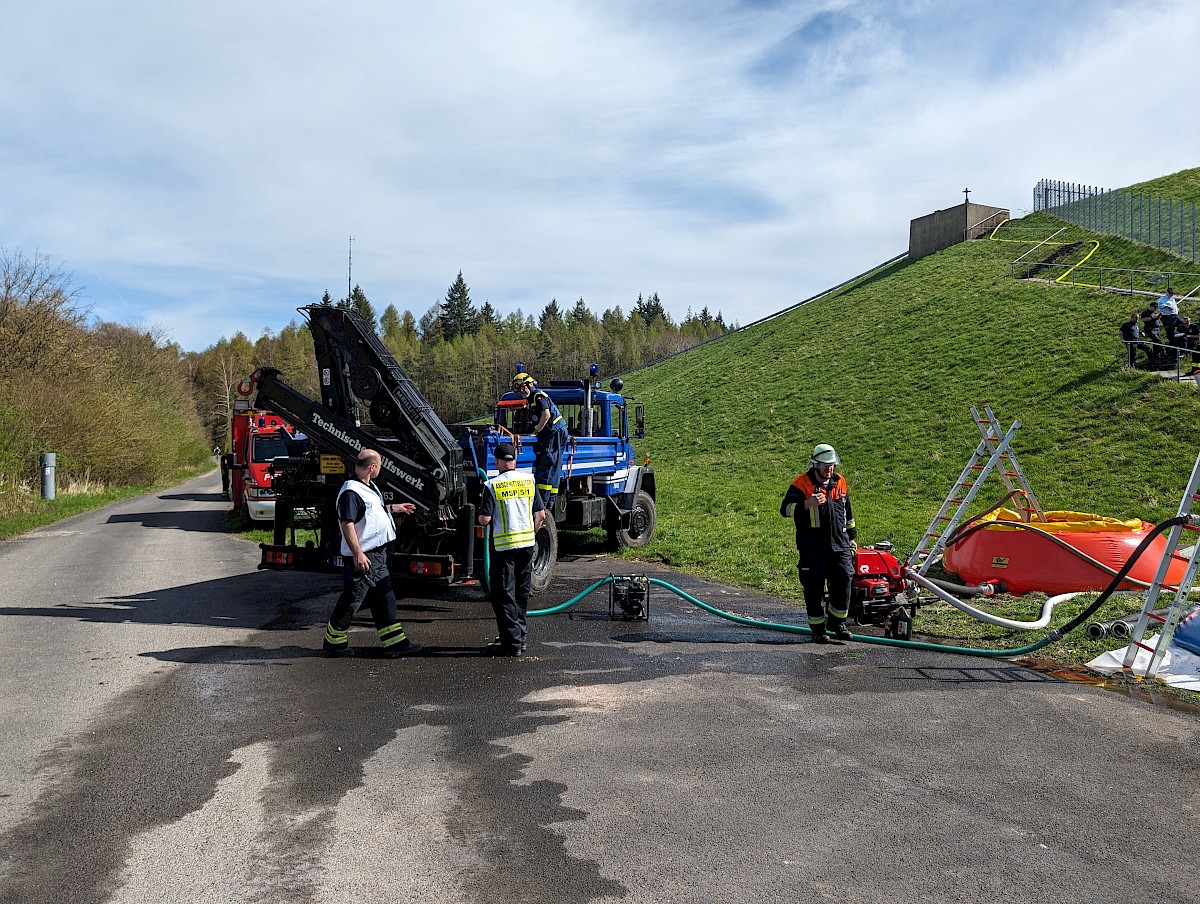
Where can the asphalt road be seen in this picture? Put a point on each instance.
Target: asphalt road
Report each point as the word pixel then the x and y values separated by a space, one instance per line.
pixel 170 734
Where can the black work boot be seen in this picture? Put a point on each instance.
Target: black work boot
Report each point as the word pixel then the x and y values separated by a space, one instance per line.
pixel 405 647
pixel 840 631
pixel 336 651
pixel 820 636
pixel 500 647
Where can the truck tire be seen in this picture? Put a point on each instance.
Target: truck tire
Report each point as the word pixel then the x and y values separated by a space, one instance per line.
pixel 642 521
pixel 545 556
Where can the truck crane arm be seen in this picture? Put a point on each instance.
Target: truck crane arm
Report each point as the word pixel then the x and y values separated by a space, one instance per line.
pixel 405 478
pixel 353 363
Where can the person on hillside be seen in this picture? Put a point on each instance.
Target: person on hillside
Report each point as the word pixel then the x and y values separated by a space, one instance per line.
pixel 1152 330
pixel 367 529
pixel 511 500
pixel 1168 314
pixel 819 502
pixel 1131 334
pixel 551 429
pixel 1189 332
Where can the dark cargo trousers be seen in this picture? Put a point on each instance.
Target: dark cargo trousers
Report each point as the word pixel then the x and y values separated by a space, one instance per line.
pixel 511 577
pixel 818 569
pixel 373 587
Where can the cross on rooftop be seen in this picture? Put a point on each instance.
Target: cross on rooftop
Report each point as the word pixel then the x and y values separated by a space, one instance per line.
pixel 967 195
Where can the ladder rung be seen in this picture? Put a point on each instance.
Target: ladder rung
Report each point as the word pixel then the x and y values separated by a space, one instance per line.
pixel 1144 646
pixel 1158 618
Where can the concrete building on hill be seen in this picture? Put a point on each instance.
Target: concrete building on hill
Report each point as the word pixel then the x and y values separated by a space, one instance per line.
pixel 944 228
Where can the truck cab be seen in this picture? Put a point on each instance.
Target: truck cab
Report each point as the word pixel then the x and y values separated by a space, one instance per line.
pixel 258 438
pixel 603 485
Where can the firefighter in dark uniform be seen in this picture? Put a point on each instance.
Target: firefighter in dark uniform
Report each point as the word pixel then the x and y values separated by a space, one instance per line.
pixel 367 529
pixel 819 502
pixel 551 429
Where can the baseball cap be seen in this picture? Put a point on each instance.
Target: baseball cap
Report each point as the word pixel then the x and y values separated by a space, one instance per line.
pixel 506 451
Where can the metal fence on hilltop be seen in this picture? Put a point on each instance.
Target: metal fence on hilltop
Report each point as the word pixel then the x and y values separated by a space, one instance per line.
pixel 1165 223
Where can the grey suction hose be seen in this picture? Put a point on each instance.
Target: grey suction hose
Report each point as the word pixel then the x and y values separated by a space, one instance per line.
pixel 1121 626
pixel 1054 635
pixel 963 589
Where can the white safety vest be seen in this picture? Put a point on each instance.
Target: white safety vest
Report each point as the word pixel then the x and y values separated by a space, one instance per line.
pixel 512 522
pixel 375 527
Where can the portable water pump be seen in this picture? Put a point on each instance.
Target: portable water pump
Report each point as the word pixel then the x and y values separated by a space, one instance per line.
pixel 878 590
pixel 629 597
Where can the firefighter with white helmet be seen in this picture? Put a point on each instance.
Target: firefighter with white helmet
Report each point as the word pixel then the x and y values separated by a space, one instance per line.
pixel 819 502
pixel 551 429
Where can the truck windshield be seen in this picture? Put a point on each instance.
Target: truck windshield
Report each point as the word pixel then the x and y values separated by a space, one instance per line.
pixel 267 447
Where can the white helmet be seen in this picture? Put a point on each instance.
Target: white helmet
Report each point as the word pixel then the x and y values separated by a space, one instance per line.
pixel 823 454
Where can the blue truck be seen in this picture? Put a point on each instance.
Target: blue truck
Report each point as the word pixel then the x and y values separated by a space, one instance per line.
pixel 368 401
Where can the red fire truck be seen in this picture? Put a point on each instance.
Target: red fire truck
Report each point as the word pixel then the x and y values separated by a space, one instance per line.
pixel 257 438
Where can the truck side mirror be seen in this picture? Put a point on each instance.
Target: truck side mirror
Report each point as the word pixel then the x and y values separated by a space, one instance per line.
pixel 639 421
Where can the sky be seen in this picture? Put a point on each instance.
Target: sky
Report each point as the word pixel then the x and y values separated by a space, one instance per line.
pixel 201 168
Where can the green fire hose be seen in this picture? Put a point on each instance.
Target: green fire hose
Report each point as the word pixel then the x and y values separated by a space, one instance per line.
pixel 1054 635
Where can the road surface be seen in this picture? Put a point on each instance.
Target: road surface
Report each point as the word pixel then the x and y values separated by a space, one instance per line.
pixel 171 734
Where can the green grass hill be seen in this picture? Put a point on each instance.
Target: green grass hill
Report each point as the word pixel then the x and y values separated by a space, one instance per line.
pixel 886 370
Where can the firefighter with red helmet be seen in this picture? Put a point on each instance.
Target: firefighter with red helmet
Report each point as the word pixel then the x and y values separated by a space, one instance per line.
pixel 819 502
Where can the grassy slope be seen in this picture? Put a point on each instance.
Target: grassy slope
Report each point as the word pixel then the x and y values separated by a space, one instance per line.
pixel 886 371
pixel 1182 186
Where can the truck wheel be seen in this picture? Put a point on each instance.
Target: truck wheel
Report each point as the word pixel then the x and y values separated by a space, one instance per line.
pixel 243 517
pixel 642 521
pixel 545 556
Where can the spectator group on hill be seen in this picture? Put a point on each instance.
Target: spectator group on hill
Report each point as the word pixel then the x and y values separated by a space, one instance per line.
pixel 1163 336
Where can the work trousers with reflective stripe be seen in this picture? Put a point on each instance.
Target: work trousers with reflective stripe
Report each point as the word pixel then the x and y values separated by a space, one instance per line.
pixel 548 463
pixel 818 568
pixel 373 587
pixel 510 579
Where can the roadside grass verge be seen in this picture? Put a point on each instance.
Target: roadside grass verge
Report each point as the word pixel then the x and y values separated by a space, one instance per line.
pixel 26 514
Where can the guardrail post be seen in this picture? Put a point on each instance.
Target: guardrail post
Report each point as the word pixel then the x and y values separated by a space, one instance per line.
pixel 48 467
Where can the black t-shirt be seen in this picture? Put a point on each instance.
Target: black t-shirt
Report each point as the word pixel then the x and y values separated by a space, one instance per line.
pixel 350 505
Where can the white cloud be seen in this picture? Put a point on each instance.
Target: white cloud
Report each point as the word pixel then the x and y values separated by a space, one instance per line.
pixel 203 167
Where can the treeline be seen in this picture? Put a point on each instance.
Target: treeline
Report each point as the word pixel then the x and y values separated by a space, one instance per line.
pixel 462 357
pixel 115 403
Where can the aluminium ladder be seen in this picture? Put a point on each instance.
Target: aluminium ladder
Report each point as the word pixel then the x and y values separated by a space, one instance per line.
pixel 994 451
pixel 1180 606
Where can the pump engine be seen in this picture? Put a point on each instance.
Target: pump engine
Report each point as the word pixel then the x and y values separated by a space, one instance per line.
pixel 879 584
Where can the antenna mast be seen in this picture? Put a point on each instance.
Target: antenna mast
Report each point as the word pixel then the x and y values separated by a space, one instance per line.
pixel 349 269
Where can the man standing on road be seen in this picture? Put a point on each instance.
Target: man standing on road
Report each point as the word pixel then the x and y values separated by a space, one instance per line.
pixel 511 500
pixel 367 529
pixel 551 430
pixel 819 502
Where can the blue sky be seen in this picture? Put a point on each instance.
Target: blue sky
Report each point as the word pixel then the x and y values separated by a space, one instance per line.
pixel 201 168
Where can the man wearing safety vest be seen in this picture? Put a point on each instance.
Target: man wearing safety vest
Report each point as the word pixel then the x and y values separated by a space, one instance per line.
pixel 512 505
pixel 819 502
pixel 551 429
pixel 367 529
